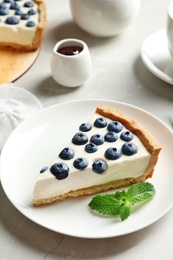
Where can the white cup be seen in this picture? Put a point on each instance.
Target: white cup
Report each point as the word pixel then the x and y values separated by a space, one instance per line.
pixel 104 18
pixel 169 28
pixel 71 70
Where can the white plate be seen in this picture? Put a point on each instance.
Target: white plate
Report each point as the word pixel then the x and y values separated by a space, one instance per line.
pixel 16 104
pixel 35 143
pixel 10 91
pixel 156 57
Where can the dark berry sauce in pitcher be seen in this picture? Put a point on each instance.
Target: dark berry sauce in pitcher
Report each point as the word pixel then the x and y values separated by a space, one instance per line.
pixel 70 50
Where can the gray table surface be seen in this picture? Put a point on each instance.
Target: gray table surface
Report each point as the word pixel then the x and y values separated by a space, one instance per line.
pixel 118 74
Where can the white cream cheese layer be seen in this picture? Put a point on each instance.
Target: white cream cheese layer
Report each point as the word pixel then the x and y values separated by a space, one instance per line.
pixel 124 167
pixel 18 33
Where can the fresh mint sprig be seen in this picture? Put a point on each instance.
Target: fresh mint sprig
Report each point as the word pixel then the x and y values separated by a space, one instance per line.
pixel 121 202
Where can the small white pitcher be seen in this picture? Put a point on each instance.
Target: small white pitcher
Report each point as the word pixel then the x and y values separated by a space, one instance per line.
pixel 71 70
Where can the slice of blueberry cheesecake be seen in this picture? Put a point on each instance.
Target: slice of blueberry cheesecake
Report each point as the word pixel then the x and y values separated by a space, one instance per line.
pixel 22 24
pixel 110 151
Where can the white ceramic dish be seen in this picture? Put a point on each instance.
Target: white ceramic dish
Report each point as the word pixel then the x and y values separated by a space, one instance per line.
pixel 169 27
pixel 34 143
pixel 156 56
pixel 104 18
pixel 16 105
pixel 10 91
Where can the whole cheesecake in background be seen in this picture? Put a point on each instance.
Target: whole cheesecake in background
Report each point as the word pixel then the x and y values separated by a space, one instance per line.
pixel 22 24
pixel 110 151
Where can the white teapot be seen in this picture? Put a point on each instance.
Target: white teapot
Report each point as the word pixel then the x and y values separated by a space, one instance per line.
pixel 104 18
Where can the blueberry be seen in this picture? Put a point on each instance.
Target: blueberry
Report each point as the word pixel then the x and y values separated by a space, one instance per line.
pixel 97 139
pixel 115 126
pixel 112 153
pixel 79 138
pixel 2 5
pixel 30 24
pixel 43 169
pixel 67 153
pixel 126 136
pixel 60 170
pixel 14 6
pixel 32 12
pixel 85 127
pixel 80 163
pixel 91 148
pixel 8 1
pixel 25 16
pixel 100 122
pixel 18 12
pixel 3 11
pixel 28 4
pixel 129 148
pixel 111 137
pixel 99 166
pixel 12 20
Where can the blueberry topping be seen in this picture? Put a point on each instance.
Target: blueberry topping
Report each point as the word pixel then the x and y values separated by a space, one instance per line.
pixel 85 127
pixel 2 5
pixel 30 24
pixel 126 136
pixel 91 148
pixel 28 4
pixel 43 169
pixel 129 148
pixel 12 20
pixel 60 170
pixel 8 1
pixel 115 126
pixel 97 139
pixel 99 166
pixel 18 12
pixel 100 122
pixel 80 163
pixel 112 153
pixel 79 138
pixel 67 153
pixel 111 137
pixel 14 6
pixel 32 12
pixel 3 11
pixel 25 16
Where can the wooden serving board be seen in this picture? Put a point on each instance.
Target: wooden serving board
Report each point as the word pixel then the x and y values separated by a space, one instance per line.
pixel 13 64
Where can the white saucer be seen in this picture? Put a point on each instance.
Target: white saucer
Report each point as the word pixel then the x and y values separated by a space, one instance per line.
pixel 156 57
pixel 16 105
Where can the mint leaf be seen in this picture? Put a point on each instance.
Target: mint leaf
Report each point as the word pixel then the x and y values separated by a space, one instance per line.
pixel 140 192
pixel 121 202
pixel 125 210
pixel 105 204
pixel 121 195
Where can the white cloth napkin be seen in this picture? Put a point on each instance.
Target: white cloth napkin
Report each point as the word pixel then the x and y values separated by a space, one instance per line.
pixel 16 105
